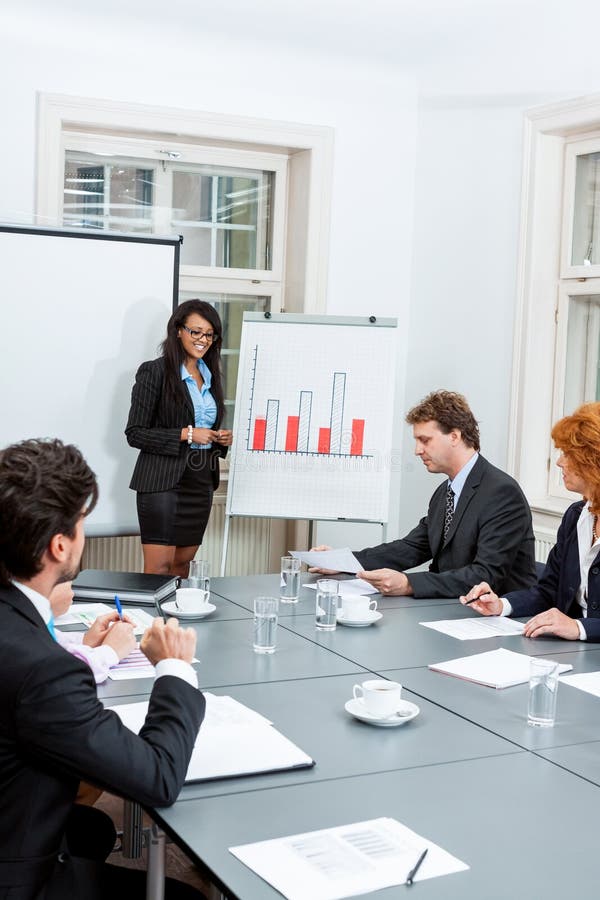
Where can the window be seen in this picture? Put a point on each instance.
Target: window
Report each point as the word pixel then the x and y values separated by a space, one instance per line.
pixel 251 199
pixel 557 336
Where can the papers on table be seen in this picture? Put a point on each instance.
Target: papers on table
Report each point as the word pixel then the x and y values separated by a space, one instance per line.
pixel 476 629
pixel 585 681
pixel 233 740
pixel 136 665
pixel 345 861
pixel 342 560
pixel 353 587
pixel 496 668
pixel 87 613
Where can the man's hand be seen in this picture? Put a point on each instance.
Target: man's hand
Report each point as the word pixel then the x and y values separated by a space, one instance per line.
pixel 168 641
pixel 555 622
pixel 321 571
pixel 99 631
pixel 388 582
pixel 483 600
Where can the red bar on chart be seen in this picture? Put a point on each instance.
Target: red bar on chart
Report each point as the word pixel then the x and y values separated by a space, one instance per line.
pixel 291 435
pixel 260 430
pixel 324 440
pixel 358 432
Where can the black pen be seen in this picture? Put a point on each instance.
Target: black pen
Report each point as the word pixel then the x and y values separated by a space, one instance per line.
pixel 481 596
pixel 411 875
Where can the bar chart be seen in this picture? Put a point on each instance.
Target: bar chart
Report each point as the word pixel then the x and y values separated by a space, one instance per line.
pixel 313 418
pixel 272 431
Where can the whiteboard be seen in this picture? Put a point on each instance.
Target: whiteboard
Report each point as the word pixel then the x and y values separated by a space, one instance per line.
pixel 80 311
pixel 313 418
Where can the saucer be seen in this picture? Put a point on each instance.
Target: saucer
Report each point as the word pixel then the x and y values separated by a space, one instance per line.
pixel 357 708
pixel 373 616
pixel 171 609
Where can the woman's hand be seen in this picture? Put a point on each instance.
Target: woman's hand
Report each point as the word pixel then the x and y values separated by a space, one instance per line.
pixel 97 633
pixel 204 436
pixel 483 600
pixel 224 437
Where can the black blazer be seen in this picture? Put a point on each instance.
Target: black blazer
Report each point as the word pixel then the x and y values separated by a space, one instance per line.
pixel 561 580
pixel 54 732
pixel 490 539
pixel 154 427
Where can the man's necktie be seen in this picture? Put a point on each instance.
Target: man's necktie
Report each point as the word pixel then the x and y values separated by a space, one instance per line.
pixel 449 514
pixel 50 627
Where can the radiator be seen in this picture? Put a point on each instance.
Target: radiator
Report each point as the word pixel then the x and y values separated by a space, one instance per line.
pixel 545 539
pixel 247 554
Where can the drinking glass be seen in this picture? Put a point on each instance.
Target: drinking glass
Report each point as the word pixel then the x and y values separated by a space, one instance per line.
pixel 289 583
pixel 543 689
pixel 265 624
pixel 327 604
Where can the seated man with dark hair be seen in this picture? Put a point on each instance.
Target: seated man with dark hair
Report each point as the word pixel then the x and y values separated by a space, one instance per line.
pixel 54 732
pixel 478 525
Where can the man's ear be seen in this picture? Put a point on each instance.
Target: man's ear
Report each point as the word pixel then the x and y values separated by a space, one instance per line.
pixel 58 548
pixel 456 436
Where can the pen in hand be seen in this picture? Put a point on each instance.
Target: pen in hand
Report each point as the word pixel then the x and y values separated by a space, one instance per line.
pixel 411 875
pixel 481 596
pixel 119 607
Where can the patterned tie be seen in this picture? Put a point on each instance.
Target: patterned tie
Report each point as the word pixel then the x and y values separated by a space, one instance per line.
pixel 449 513
pixel 50 627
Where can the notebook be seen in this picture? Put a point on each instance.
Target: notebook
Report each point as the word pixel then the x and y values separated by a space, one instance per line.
pixel 131 587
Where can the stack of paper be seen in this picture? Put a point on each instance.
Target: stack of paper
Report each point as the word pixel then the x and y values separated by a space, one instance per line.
pixel 233 740
pixel 345 861
pixel 496 668
pixel 87 613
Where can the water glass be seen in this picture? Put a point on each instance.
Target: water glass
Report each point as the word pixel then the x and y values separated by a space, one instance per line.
pixel 199 574
pixel 265 624
pixel 289 584
pixel 327 604
pixel 543 689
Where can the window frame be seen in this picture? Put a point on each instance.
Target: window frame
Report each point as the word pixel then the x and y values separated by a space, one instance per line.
pixel 544 282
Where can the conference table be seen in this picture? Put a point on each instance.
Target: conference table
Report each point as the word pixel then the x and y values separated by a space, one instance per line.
pixel 517 804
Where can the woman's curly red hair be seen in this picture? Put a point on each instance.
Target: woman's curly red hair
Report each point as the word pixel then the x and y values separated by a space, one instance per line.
pixel 578 436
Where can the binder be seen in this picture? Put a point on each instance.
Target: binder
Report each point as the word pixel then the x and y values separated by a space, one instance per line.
pixel 131 587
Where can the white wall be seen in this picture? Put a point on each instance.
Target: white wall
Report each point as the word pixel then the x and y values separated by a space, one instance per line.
pixel 439 253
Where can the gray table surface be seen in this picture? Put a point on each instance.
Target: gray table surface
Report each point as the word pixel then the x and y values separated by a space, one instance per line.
pixel 500 815
pixel 582 759
pixel 243 591
pixel 504 712
pixel 312 715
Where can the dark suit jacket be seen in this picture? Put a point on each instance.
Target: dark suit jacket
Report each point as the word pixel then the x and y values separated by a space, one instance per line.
pixel 154 427
pixel 54 733
pixel 561 580
pixel 490 539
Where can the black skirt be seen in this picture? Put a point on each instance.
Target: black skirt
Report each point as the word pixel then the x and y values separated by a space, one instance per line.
pixel 179 517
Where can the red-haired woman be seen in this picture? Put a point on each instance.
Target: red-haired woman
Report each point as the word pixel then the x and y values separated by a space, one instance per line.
pixel 566 600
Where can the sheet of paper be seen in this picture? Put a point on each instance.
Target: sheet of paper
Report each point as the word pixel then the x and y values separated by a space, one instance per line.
pixel 233 740
pixel 83 614
pixel 136 665
pixel 342 560
pixel 87 613
pixel 476 629
pixel 345 861
pixel 497 668
pixel 352 587
pixel 585 681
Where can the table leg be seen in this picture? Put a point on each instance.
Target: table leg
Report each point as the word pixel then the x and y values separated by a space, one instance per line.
pixel 155 879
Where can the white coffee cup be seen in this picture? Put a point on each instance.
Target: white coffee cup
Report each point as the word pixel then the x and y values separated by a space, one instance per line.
pixel 381 698
pixel 191 600
pixel 357 608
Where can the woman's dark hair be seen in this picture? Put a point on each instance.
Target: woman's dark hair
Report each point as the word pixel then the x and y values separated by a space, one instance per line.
pixel 45 486
pixel 174 355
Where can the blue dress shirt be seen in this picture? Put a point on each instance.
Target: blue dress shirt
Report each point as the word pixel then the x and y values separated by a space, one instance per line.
pixel 205 408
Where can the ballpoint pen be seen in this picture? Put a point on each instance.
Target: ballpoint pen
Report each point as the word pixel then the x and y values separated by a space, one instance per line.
pixel 411 875
pixel 119 607
pixel 481 596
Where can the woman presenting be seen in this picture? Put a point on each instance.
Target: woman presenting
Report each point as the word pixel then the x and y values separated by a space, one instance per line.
pixel 566 600
pixel 176 412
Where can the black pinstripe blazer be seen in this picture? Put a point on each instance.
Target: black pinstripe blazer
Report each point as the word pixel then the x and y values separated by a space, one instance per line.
pixel 154 427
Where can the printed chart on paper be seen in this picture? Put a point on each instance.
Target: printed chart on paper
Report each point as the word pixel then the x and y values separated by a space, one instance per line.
pixel 313 419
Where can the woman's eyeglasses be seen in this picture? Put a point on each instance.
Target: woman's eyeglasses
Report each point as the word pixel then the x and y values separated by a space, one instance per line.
pixel 208 335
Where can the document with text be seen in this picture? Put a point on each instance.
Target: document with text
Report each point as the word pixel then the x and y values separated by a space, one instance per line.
pixel 346 861
pixel 342 560
pixel 476 629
